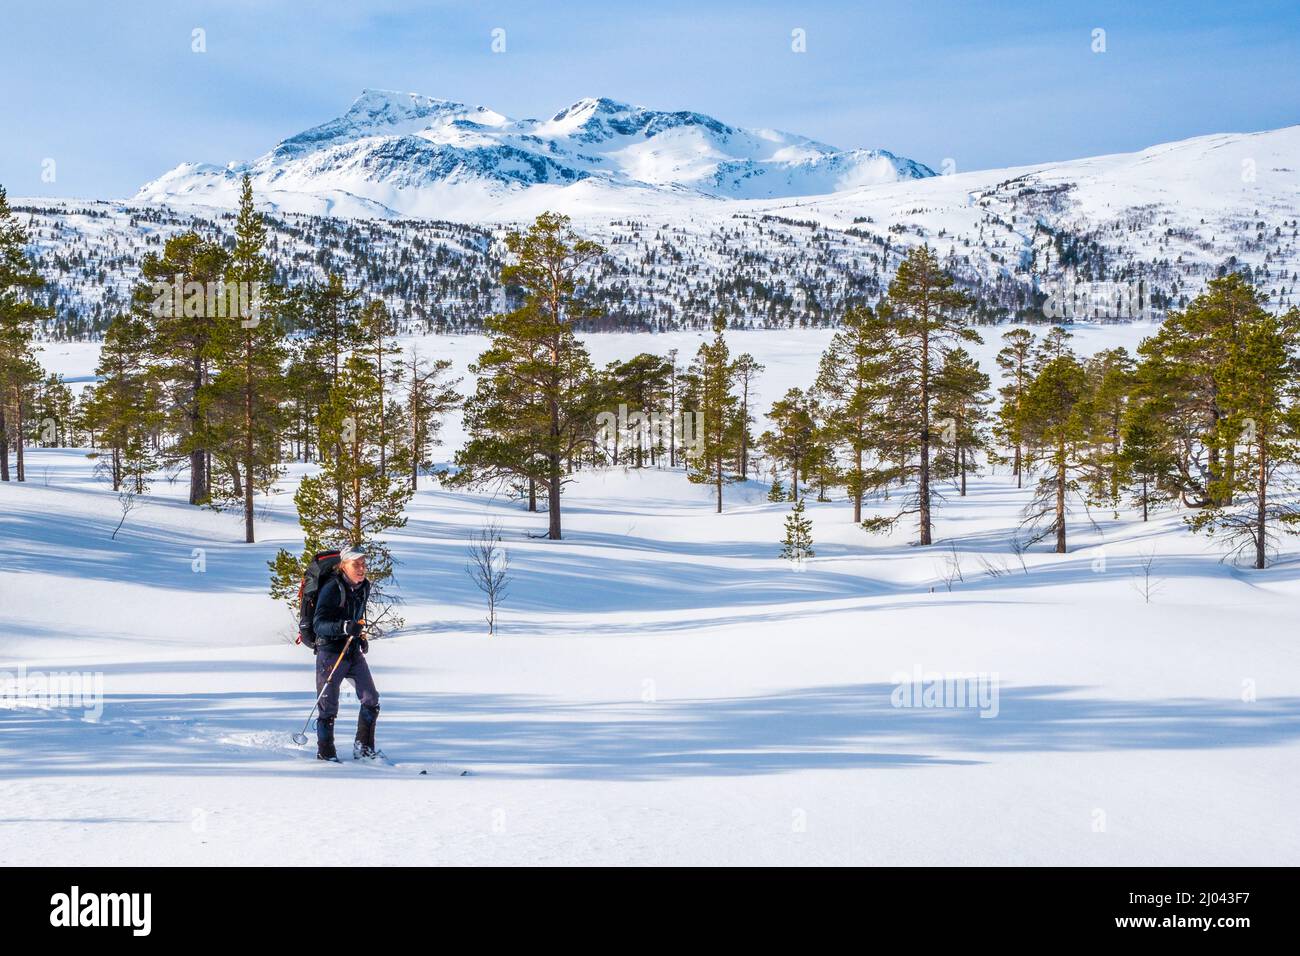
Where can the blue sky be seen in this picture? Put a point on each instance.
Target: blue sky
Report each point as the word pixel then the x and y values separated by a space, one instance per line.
pixel 112 92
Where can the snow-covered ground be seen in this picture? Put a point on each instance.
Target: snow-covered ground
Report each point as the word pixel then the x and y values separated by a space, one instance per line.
pixel 663 690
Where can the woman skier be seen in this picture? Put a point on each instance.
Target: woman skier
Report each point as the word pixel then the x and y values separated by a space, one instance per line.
pixel 340 627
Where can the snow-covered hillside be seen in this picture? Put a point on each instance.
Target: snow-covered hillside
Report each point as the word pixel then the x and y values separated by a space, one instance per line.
pixel 664 689
pixel 1133 233
pixel 412 155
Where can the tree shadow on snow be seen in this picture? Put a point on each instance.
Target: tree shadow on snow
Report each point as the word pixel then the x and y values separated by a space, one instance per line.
pixel 850 727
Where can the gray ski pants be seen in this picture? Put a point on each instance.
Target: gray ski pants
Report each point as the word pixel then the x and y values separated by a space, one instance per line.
pixel 353 667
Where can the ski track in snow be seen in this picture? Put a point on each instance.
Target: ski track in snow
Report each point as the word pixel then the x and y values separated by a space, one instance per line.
pixel 664 689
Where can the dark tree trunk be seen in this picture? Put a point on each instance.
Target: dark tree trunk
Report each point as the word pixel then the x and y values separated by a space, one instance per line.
pixel 197 477
pixel 719 481
pixel 338 490
pixel 744 433
pixel 553 502
pixel 417 432
pixel 1060 501
pixel 923 489
pixel 198 459
pixel 4 444
pixel 857 492
pixel 18 438
pixel 248 438
pixel 673 423
pixel 1261 508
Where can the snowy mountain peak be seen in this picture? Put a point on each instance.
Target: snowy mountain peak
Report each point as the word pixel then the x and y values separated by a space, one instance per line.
pixel 599 119
pixel 381 113
pixel 392 106
pixel 394 153
pixel 589 106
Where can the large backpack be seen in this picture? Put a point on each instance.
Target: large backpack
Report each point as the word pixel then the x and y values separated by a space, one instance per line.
pixel 322 566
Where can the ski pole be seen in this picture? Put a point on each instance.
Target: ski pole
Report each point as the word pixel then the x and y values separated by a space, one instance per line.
pixel 301 737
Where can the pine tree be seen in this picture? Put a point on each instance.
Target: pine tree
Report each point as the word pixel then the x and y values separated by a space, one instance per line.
pixel 373 501
pixel 926 315
pixel 1016 361
pixel 1179 373
pixel 1111 383
pixel 123 409
pixel 243 404
pixel 793 439
pixel 56 413
pixel 674 382
pixel 1055 344
pixel 537 394
pixel 961 397
pixel 614 392
pixel 376 328
pixel 19 371
pixel 713 398
pixel 854 378
pixel 777 491
pixel 334 330
pixel 1055 422
pixel 747 370
pixel 1146 459
pixel 798 543
pixel 178 296
pixel 1261 433
pixel 428 399
pixel 822 466
pixel 641 384
pixel 331 312
pixel 22 378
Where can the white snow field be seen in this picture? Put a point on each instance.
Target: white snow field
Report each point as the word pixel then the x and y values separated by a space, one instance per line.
pixel 663 690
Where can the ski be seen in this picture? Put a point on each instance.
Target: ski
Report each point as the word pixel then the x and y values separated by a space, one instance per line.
pixel 435 769
pixel 447 769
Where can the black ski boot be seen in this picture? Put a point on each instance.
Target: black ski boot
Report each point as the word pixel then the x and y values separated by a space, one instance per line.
pixel 325 741
pixel 363 748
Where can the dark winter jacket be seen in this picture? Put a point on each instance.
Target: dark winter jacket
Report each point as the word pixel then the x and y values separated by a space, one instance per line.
pixel 338 605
